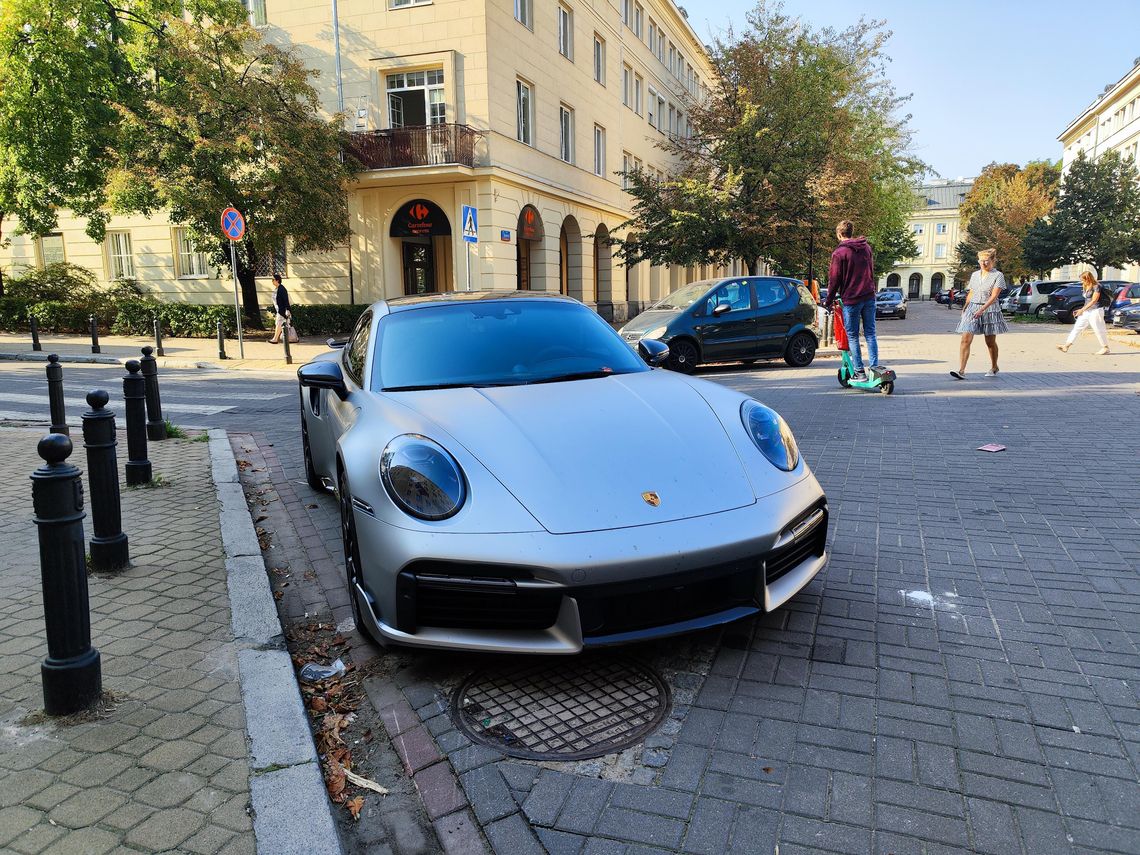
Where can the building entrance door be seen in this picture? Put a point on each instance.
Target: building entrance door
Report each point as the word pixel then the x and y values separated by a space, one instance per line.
pixel 419 267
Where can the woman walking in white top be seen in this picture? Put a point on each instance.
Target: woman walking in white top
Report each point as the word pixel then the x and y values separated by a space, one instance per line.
pixel 1091 314
pixel 982 315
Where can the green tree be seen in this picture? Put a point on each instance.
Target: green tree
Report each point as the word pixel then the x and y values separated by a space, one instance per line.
pixel 800 130
pixel 1097 220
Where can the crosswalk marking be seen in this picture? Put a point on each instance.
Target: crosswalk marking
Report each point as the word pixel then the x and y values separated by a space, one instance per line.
pixel 76 404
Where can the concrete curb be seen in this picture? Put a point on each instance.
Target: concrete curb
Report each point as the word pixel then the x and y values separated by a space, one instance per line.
pixel 163 362
pixel 285 773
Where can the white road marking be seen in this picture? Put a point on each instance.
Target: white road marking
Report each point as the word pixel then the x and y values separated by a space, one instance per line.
pixel 80 404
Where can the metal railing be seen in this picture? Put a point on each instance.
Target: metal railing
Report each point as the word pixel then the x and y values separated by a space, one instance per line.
pixel 424 145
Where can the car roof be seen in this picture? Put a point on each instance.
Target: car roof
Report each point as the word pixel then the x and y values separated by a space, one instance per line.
pixel 399 304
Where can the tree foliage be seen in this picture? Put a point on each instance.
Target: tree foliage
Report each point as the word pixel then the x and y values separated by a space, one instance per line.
pixel 800 129
pixel 172 106
pixel 1097 219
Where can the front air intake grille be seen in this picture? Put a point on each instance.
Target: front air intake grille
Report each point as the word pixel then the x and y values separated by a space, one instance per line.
pixel 463 596
pixel 787 558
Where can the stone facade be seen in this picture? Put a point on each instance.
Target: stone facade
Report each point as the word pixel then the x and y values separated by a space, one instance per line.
pixel 935 224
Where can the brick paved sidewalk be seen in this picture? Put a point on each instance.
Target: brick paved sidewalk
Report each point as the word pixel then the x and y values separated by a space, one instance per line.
pixel 163 767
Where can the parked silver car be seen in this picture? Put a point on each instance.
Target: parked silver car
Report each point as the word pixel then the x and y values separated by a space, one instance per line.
pixel 1032 297
pixel 513 477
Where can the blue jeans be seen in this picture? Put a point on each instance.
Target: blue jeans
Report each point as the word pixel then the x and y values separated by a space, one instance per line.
pixel 852 316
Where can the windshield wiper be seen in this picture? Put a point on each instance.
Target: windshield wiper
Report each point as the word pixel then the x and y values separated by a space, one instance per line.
pixel 576 375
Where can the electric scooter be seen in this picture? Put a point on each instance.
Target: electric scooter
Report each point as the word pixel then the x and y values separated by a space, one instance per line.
pixel 879 379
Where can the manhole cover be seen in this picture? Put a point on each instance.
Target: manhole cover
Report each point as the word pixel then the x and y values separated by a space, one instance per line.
pixel 564 709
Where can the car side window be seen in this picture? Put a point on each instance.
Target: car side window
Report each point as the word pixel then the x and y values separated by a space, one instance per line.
pixel 356 351
pixel 735 294
pixel 769 292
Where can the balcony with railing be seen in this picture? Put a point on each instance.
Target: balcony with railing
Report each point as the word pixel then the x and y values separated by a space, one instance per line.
pixel 424 145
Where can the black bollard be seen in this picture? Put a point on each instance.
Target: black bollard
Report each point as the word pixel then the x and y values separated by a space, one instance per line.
pixel 285 338
pixel 155 426
pixel 94 334
pixel 71 673
pixel 221 342
pixel 134 394
pixel 109 549
pixel 55 396
pixel 158 337
pixel 35 332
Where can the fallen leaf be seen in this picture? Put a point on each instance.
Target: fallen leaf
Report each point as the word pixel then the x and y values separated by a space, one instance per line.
pixel 768 770
pixel 336 780
pixel 319 705
pixel 355 806
pixel 277 595
pixel 366 783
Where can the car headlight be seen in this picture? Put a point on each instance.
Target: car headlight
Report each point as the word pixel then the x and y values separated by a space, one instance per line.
pixel 771 434
pixel 656 333
pixel 422 478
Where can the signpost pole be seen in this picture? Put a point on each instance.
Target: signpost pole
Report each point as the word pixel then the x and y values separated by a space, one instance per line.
pixel 237 300
pixel 468 254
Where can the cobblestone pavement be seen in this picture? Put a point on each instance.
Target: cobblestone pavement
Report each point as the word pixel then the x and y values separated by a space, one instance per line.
pixel 962 678
pixel 163 768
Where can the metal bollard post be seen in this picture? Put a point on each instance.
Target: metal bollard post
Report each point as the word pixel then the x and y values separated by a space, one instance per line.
pixel 155 426
pixel 109 549
pixel 94 334
pixel 134 395
pixel 71 673
pixel 55 396
pixel 158 337
pixel 35 325
pixel 221 342
pixel 285 338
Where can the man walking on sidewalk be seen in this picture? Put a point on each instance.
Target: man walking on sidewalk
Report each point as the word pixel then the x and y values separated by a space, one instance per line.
pixel 852 279
pixel 281 308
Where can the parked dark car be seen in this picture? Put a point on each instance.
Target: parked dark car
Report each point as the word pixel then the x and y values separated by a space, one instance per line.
pixel 737 318
pixel 891 303
pixel 1127 294
pixel 1127 317
pixel 1064 301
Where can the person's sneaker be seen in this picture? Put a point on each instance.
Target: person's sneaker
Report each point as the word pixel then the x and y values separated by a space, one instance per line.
pixel 859 376
pixel 990 373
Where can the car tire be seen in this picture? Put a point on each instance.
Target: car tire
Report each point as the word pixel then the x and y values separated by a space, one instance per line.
pixel 311 475
pixel 351 548
pixel 748 362
pixel 1038 311
pixel 683 356
pixel 902 315
pixel 800 350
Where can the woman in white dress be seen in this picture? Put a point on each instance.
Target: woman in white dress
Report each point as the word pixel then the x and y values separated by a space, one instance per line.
pixel 982 315
pixel 1091 314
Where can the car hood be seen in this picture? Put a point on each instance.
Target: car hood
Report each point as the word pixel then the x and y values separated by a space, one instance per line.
pixel 650 319
pixel 579 455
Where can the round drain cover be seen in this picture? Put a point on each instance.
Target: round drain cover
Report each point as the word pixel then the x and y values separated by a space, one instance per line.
pixel 562 709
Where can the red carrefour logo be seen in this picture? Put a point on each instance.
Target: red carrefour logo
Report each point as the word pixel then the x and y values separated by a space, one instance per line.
pixel 530 216
pixel 419 211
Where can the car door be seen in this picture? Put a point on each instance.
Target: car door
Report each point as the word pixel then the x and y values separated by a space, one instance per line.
pixel 731 335
pixel 775 314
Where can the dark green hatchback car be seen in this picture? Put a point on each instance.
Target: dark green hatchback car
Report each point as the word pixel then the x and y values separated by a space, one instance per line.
pixel 736 318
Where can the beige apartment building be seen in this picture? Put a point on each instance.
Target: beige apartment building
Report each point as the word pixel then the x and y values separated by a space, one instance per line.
pixel 528 110
pixel 935 226
pixel 1110 123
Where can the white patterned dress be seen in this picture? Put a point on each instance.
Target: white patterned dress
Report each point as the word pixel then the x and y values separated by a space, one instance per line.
pixel 991 322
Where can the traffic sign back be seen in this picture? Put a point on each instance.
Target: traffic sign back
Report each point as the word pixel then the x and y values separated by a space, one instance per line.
pixel 233 224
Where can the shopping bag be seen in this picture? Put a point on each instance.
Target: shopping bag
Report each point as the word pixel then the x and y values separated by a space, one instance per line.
pixel 840 330
pixel 293 337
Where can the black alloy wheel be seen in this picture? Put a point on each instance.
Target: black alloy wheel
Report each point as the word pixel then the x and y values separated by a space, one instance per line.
pixel 801 350
pixel 683 356
pixel 311 476
pixel 352 556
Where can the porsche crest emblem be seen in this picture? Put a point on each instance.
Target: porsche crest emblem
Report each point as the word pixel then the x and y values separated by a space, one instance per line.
pixel 651 498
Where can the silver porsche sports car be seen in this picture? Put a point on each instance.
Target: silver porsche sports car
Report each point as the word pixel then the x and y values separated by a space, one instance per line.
pixel 512 476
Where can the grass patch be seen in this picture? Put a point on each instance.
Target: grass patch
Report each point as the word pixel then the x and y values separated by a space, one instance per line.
pixel 173 431
pixel 202 437
pixel 1031 319
pixel 155 482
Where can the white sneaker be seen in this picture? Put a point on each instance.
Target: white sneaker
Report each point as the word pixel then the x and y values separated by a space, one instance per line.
pixel 990 373
pixel 859 376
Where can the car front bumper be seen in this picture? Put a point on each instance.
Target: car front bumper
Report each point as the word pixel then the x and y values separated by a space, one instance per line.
pixel 888 311
pixel 535 592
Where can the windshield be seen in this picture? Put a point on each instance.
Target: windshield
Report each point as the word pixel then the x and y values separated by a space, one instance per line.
pixel 499 343
pixel 682 298
pixel 890 295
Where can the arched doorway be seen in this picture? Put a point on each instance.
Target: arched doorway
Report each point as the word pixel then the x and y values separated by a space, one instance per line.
pixel 937 281
pixel 603 268
pixel 528 239
pixel 915 285
pixel 424 234
pixel 893 280
pixel 570 258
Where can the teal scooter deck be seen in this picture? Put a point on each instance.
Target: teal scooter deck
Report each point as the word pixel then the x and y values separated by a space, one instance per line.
pixel 879 379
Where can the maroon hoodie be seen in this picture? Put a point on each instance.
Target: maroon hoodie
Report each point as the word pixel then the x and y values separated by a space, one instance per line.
pixel 852 274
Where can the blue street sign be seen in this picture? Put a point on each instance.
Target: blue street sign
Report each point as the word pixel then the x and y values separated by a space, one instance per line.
pixel 233 224
pixel 470 220
pixel 505 235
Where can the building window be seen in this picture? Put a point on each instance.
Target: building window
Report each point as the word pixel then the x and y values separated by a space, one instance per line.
pixel 625 4
pixel 524 108
pixel 415 98
pixel 399 4
pixel 566 32
pixel 660 113
pixel 940 228
pixel 653 35
pixel 120 261
pixel 524 13
pixel 599 150
pixel 918 229
pixel 51 250
pixel 652 116
pixel 256 10
pixel 638 105
pixel 267 265
pixel 939 250
pixel 191 263
pixel 660 49
pixel 672 59
pixel 638 17
pixel 672 126
pixel 566 133
pixel 599 59
pixel 627 86
pixel 626 163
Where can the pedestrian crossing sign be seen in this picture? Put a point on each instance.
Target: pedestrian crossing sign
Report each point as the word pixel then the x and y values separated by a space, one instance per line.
pixel 470 220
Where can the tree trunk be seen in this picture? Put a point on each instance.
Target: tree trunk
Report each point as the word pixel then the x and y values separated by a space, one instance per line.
pixel 751 264
pixel 2 215
pixel 246 257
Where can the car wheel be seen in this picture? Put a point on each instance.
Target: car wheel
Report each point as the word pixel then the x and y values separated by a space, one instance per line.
pixel 1037 312
pixel 352 557
pixel 843 380
pixel 801 350
pixel 683 356
pixel 310 473
pixel 888 388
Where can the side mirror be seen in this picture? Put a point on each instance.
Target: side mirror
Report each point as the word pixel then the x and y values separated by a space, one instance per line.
pixel 720 309
pixel 323 375
pixel 654 352
pixel 336 343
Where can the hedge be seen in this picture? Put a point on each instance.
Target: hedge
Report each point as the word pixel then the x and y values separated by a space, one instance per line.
pixel 182 320
pixel 324 319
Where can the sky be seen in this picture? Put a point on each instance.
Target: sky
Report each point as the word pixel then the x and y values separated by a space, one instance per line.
pixel 991 81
